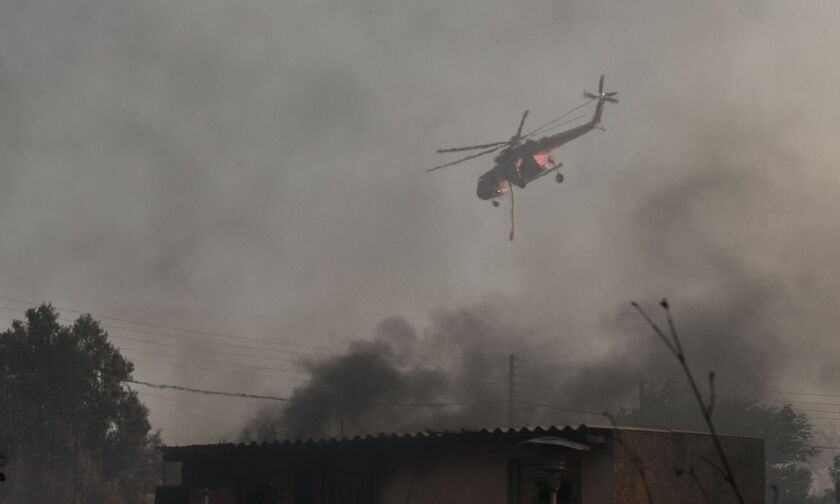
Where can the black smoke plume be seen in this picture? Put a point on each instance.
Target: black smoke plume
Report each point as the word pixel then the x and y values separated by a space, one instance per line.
pixel 455 373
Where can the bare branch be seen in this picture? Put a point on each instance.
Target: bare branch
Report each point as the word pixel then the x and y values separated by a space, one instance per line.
pixel 697 481
pixel 711 405
pixel 712 463
pixel 655 328
pixel 676 349
pixel 671 326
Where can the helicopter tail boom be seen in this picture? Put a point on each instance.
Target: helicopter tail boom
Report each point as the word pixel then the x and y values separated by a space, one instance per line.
pixel 552 142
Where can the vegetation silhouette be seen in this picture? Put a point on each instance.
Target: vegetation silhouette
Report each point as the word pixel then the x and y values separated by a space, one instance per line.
pixel 70 423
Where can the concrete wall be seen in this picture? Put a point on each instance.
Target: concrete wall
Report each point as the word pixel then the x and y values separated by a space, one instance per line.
pixel 483 469
pixel 450 480
pixel 664 454
pixel 597 474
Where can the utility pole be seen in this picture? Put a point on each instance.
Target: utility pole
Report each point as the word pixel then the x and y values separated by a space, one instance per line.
pixel 642 412
pixel 511 397
pixel 75 442
pixel 75 463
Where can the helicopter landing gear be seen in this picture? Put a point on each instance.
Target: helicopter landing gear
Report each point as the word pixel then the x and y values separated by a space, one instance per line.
pixel 495 203
pixel 559 178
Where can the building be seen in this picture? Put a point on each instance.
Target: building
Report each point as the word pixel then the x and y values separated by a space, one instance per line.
pixel 588 464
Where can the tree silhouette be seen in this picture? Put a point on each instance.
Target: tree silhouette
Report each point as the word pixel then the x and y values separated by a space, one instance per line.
pixel 787 434
pixel 69 423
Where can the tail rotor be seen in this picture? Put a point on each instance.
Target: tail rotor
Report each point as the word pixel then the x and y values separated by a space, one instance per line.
pixel 602 96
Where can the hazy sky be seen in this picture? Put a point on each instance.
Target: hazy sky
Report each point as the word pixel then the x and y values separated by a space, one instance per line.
pixel 257 169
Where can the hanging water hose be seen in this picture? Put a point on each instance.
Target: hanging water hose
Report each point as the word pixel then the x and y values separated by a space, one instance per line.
pixel 512 207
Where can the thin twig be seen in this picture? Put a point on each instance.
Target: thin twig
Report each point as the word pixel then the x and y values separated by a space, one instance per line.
pixel 671 326
pixel 676 349
pixel 697 481
pixel 716 467
pixel 711 405
pixel 655 328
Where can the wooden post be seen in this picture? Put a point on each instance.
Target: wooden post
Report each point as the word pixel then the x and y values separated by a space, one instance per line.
pixel 511 400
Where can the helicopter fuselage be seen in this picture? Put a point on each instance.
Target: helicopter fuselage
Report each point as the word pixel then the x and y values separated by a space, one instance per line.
pixel 523 163
pixel 519 163
pixel 519 170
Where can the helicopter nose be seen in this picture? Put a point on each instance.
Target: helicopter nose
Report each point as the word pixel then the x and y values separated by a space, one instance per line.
pixel 484 191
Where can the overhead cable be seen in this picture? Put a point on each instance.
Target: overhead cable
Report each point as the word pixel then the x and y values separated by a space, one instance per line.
pixel 286 399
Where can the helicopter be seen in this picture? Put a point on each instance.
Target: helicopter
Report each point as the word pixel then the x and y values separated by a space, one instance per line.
pixel 523 160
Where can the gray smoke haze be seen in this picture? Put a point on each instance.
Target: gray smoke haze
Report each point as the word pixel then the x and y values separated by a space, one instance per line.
pixel 457 374
pixel 257 170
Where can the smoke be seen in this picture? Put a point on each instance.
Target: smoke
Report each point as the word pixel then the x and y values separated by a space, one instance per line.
pixel 349 393
pixel 258 170
pixel 704 236
pixel 398 381
pixel 456 373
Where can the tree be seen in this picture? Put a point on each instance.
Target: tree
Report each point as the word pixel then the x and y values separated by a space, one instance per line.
pixel 69 423
pixel 787 434
pixel 830 495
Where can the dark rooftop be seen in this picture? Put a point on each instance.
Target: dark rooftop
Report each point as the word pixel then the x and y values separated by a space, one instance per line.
pixel 525 431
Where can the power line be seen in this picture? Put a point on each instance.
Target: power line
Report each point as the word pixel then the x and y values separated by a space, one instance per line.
pixel 167 327
pixel 210 361
pixel 209 352
pixel 333 353
pixel 802 393
pixel 813 403
pixel 313 350
pixel 808 410
pixel 180 361
pixel 213 352
pixel 208 392
pixel 279 389
pixel 220 343
pixel 179 366
pixel 562 408
pixel 286 399
pixel 825 419
pixel 439 404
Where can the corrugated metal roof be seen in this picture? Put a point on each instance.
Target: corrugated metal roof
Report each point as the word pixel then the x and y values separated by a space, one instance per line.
pixel 427 434
pixel 431 434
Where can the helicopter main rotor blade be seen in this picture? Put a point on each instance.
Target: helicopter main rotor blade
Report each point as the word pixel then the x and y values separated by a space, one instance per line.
pixel 458 149
pixel 589 95
pixel 611 100
pixel 521 123
pixel 601 84
pixel 611 94
pixel 488 151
